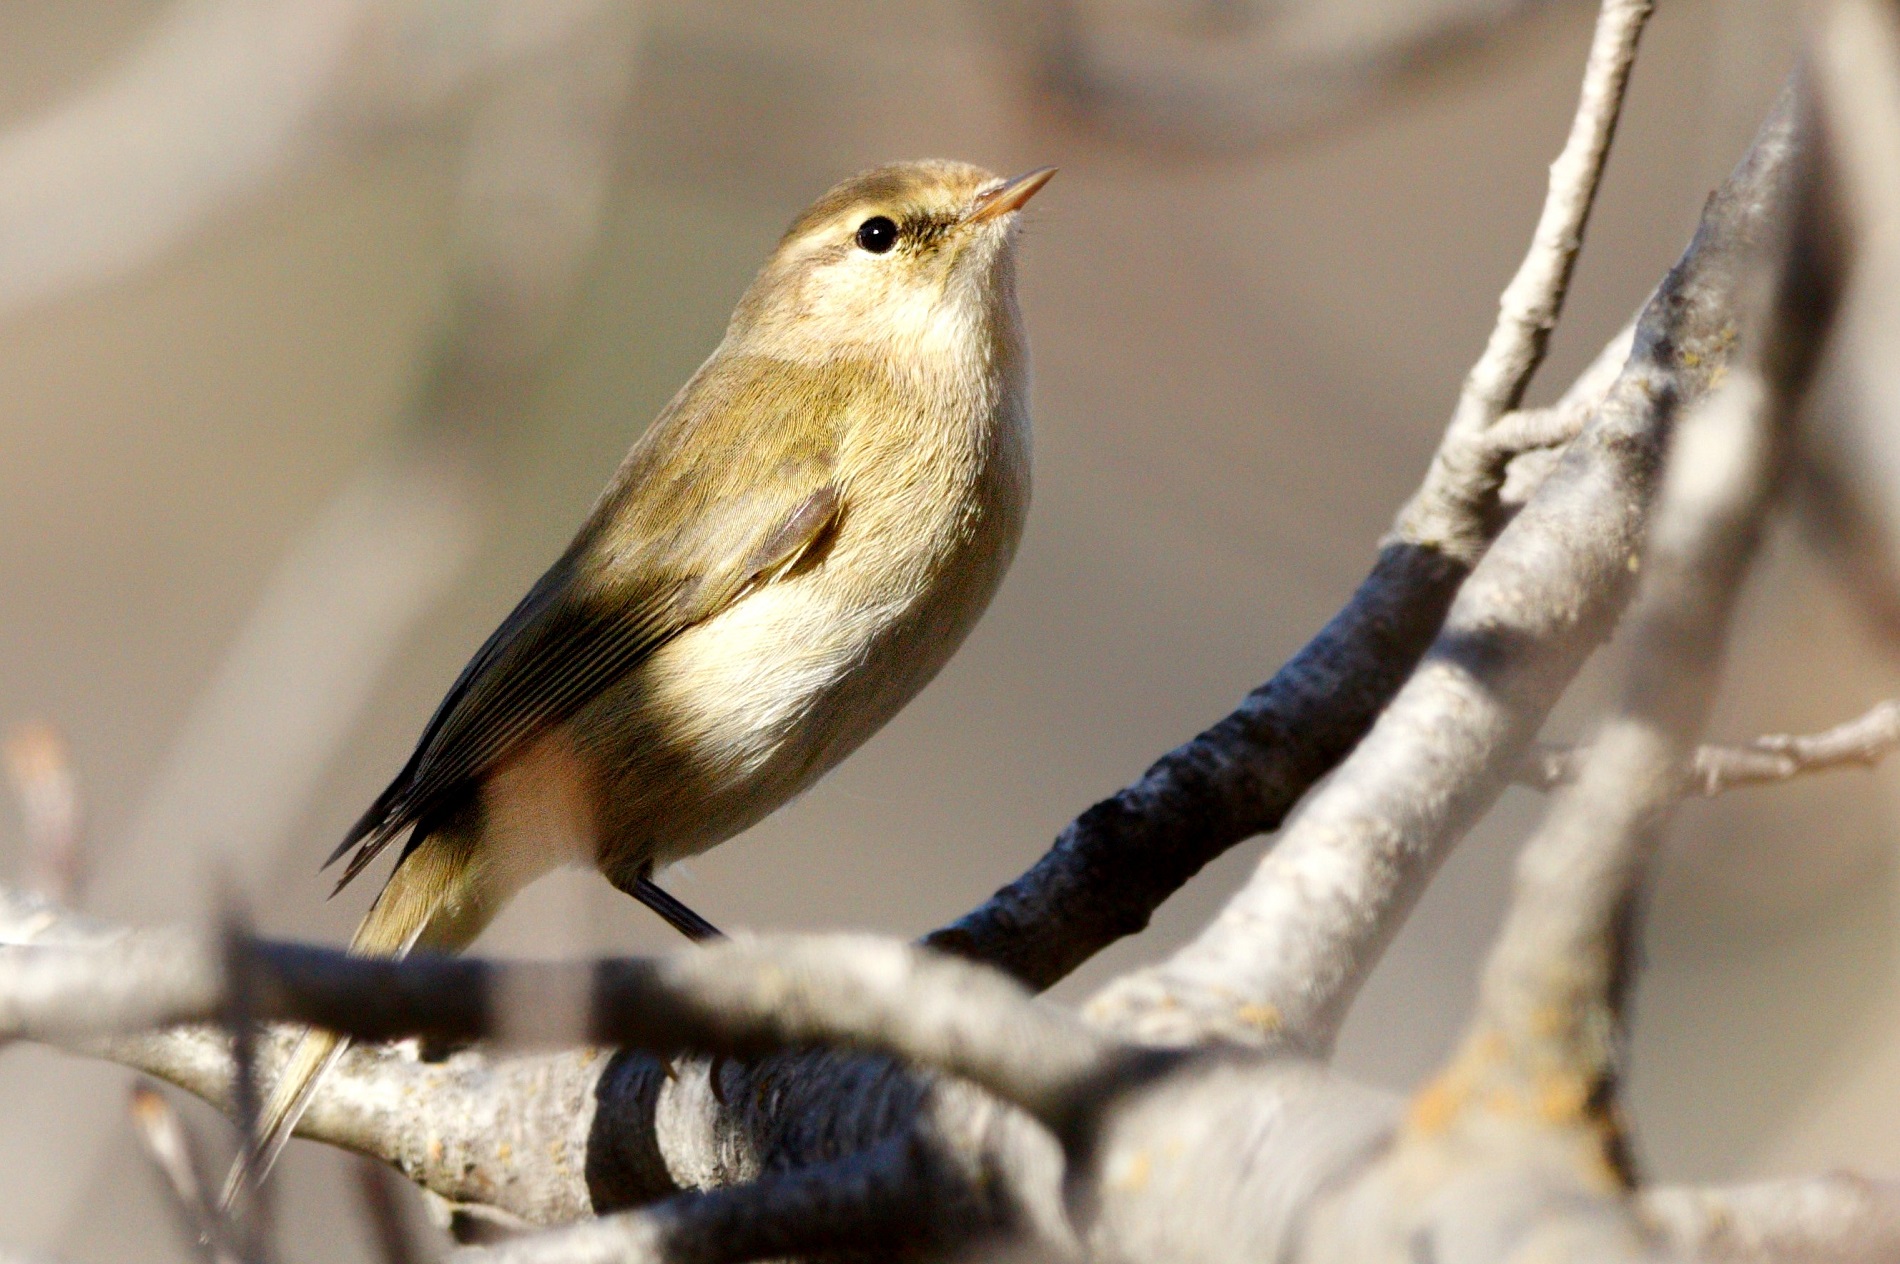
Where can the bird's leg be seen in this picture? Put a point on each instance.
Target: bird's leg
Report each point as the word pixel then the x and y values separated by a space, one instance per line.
pixel 694 927
pixel 674 913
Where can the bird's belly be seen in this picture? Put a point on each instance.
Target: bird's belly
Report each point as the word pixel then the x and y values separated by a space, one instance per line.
pixel 743 687
pixel 751 707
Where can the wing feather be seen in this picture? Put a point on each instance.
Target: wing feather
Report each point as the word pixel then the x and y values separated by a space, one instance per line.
pixel 677 537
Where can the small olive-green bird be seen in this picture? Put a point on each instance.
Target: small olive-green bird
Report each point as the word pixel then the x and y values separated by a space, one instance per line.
pixel 788 554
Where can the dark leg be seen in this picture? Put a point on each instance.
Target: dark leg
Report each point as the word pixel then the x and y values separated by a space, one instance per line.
pixel 676 914
pixel 695 928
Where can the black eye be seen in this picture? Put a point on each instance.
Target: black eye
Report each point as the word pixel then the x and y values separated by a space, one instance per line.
pixel 877 234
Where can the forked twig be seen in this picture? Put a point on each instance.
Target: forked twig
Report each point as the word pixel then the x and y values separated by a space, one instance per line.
pixel 1466 470
pixel 1861 742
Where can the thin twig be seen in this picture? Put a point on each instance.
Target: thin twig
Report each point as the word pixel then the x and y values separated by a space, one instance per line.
pixel 1443 511
pixel 1530 304
pixel 1861 742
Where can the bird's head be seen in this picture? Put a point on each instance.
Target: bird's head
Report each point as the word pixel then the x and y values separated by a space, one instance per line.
pixel 898 260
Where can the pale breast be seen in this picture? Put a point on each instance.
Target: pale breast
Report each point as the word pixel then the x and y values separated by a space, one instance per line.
pixel 755 704
pixel 733 687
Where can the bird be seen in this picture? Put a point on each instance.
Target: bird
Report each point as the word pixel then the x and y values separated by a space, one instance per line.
pixel 786 556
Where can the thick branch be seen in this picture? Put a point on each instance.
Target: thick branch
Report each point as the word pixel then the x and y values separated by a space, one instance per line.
pixel 1514 1152
pixel 1116 863
pixel 513 1136
pixel 554 1138
pixel 1552 988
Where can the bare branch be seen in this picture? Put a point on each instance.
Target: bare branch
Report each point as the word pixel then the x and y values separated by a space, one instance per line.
pixel 1116 863
pixel 1530 305
pixel 1861 742
pixel 1282 962
pixel 1551 988
pixel 1516 1149
pixel 554 1138
pixel 736 997
pixel 1837 1219
pixel 1520 1139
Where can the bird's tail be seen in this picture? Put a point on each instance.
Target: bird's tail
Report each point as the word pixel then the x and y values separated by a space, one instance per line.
pixel 429 899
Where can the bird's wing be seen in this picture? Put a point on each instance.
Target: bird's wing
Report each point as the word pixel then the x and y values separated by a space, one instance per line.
pixel 708 507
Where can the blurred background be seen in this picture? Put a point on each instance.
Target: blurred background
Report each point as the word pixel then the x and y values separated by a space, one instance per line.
pixel 322 322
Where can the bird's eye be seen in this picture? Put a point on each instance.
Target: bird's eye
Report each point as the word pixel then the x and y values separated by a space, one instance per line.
pixel 877 234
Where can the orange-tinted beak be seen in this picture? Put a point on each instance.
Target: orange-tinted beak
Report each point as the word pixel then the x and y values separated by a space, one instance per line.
pixel 1008 196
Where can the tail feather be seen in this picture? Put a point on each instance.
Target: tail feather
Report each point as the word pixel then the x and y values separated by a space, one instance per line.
pixel 428 898
pixel 314 1054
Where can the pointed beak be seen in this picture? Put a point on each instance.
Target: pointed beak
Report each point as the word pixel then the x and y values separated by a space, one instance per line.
pixel 1008 196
